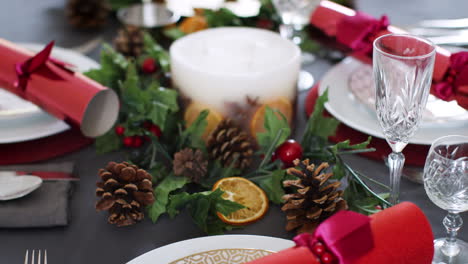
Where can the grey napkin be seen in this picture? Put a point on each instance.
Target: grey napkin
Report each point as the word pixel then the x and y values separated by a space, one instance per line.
pixel 45 207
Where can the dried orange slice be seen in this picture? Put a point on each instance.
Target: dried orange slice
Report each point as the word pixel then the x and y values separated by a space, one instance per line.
pixel 281 104
pixel 193 24
pixel 213 119
pixel 248 194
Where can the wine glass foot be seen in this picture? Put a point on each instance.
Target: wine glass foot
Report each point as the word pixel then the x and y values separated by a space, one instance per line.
pixel 458 256
pixel 305 81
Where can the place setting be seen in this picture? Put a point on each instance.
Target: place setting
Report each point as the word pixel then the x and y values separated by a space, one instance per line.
pixel 209 113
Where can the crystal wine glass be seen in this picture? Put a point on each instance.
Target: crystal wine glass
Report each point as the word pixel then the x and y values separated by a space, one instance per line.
pixel 403 66
pixel 446 183
pixel 295 15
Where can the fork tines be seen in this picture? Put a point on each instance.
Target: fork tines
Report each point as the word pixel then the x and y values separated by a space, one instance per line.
pixel 36 258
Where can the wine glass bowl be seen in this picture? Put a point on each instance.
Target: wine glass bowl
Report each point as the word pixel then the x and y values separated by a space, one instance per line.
pixel 295 15
pixel 403 66
pixel 446 184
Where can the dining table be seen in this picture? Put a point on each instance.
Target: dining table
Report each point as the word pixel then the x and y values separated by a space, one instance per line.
pixel 88 238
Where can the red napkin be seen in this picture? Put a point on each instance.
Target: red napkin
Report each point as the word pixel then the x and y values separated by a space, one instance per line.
pixel 414 154
pixel 401 234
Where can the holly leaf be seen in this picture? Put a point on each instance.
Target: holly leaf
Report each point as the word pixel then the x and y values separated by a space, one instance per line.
pixel 221 18
pixel 113 67
pixel 319 127
pixel 108 142
pixel 277 130
pixel 203 207
pixel 157 52
pixel 161 194
pixel 272 184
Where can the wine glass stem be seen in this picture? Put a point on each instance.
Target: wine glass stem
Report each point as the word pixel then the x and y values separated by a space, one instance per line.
pixel 452 223
pixel 396 160
pixel 291 32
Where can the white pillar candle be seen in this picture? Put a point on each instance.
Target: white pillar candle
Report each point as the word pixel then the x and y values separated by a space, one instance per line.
pixel 221 66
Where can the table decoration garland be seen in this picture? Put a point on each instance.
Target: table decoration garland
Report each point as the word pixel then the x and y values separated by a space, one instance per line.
pixel 152 130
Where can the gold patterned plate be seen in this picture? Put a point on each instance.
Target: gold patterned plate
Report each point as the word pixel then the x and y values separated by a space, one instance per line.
pixel 224 256
pixel 226 249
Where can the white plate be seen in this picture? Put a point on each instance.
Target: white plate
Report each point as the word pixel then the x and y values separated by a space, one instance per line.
pixel 232 249
pixel 348 109
pixel 21 120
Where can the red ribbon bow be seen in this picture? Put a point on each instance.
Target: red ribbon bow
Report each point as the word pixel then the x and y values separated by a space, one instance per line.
pixel 38 65
pixel 346 234
pixel 455 83
pixel 359 32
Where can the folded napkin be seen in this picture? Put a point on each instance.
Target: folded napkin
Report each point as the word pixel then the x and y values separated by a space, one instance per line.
pixel 45 207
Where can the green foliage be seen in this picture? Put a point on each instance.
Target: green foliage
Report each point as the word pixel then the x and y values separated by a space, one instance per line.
pixel 161 194
pixel 203 207
pixel 117 4
pixel 192 136
pixel 277 130
pixel 221 18
pixel 154 50
pixel 319 127
pixel 113 67
pixel 173 33
pixel 138 105
pixel 108 142
pixel 272 184
pixel 216 172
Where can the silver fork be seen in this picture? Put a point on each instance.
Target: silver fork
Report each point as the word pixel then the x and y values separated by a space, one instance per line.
pixel 33 256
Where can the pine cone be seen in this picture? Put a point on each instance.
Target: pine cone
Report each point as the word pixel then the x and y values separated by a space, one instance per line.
pixel 316 198
pixel 230 145
pixel 124 190
pixel 129 41
pixel 87 14
pixel 190 164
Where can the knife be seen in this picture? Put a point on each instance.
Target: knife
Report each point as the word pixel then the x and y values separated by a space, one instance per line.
pixel 445 23
pixel 456 40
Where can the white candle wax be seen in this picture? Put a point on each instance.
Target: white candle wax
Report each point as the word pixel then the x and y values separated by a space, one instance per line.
pixel 228 64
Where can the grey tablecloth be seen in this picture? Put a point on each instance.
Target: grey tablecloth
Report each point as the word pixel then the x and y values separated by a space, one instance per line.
pixel 88 238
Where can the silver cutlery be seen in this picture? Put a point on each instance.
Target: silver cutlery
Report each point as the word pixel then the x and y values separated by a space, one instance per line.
pixel 36 258
pixel 445 23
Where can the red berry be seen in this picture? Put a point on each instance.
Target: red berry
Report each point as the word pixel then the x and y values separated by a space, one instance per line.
pixel 288 152
pixel 155 130
pixel 149 66
pixel 264 23
pixel 327 258
pixel 137 141
pixel 318 249
pixel 119 130
pixel 147 125
pixel 128 141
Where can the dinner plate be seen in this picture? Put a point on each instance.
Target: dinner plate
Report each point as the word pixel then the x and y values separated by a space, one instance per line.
pixel 21 120
pixel 242 8
pixel 360 115
pixel 232 249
